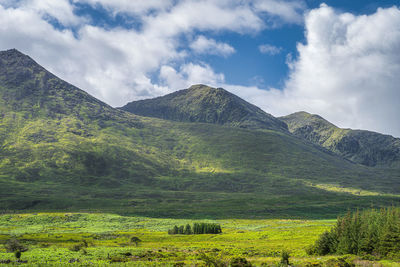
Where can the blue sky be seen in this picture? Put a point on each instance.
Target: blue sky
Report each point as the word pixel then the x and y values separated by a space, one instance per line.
pixel 266 70
pixel 336 58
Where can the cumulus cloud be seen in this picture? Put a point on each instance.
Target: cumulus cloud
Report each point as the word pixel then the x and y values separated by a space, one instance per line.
pixel 347 71
pixel 190 74
pixel 118 64
pixel 288 11
pixel 269 49
pixel 203 45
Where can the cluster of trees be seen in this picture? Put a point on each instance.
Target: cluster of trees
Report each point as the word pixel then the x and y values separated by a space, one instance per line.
pixel 371 232
pixel 197 228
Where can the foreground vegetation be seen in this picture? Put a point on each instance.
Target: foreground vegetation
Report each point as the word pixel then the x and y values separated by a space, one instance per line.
pixel 83 238
pixel 375 233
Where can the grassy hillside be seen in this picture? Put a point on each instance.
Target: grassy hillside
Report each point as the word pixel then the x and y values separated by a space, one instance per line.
pixel 72 152
pixel 364 147
pixel 201 103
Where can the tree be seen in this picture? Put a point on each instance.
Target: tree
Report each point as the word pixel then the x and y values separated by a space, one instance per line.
pixel 13 245
pixel 136 240
pixel 188 230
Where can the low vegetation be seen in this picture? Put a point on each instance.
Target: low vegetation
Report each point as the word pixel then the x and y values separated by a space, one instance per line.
pixel 57 239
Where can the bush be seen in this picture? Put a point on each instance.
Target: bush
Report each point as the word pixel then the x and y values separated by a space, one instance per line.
pixel 78 247
pixel 13 245
pixel 17 254
pixel 214 260
pixel 285 258
pixel 240 262
pixel 136 240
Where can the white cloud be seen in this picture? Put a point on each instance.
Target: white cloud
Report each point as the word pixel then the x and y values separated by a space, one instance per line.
pixel 203 45
pixel 116 65
pixel 61 10
pixel 348 71
pixel 288 11
pixel 269 49
pixel 190 74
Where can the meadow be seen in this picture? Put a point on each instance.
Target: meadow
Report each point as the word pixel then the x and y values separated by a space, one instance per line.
pixel 58 239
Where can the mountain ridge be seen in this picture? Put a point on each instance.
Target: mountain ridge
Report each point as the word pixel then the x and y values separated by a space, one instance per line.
pixel 201 103
pixel 62 150
pixel 359 146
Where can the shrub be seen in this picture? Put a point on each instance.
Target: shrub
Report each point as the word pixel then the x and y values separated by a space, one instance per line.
pixel 136 240
pixel 213 260
pixel 285 258
pixel 17 254
pixel 240 262
pixel 13 245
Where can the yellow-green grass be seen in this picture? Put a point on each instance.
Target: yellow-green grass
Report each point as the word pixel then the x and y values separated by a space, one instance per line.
pixel 52 236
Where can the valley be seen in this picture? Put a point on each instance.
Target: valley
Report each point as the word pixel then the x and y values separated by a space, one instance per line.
pixel 199 154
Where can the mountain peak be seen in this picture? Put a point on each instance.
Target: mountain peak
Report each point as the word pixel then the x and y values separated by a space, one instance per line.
pixel 202 103
pixel 25 86
pixel 302 118
pixel 364 147
pixel 13 56
pixel 206 88
pixel 11 51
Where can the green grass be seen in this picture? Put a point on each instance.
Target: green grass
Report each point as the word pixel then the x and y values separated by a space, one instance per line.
pixel 51 236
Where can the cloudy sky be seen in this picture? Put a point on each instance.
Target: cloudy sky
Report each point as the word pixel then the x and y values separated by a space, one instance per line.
pixel 336 58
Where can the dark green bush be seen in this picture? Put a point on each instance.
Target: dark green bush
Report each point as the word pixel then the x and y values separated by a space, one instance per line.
pixel 240 262
pixel 285 258
pixel 17 254
pixel 13 245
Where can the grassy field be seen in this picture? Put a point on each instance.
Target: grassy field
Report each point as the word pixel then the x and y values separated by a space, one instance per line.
pixel 55 239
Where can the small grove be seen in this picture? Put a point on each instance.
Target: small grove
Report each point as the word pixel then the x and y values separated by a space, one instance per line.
pixel 371 233
pixel 197 228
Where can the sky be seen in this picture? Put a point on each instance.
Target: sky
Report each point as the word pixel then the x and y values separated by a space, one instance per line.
pixel 336 58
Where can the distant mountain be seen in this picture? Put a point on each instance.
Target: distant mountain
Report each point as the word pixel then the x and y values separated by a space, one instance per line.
pixel 364 147
pixel 62 149
pixel 201 103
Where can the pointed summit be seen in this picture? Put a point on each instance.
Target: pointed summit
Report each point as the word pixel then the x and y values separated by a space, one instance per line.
pixel 201 103
pixel 27 87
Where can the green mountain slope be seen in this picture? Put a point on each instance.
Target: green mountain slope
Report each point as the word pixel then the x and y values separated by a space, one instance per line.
pixel 62 149
pixel 364 147
pixel 201 103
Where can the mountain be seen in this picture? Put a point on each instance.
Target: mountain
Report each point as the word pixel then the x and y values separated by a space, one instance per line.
pixel 363 147
pixel 63 150
pixel 201 103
